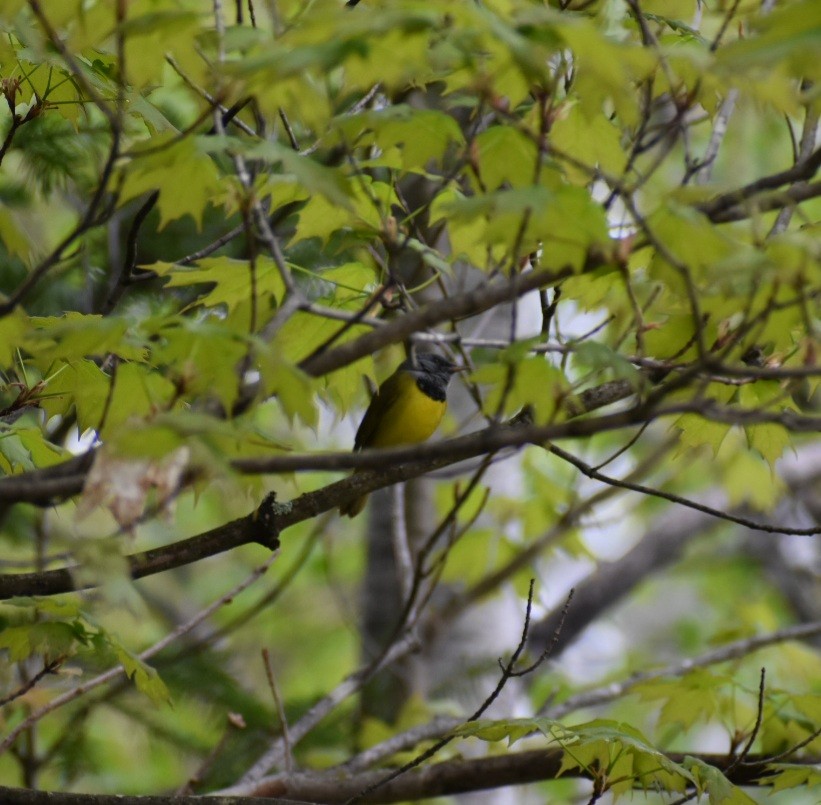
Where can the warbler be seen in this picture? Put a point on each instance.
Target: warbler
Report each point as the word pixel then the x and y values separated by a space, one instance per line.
pixel 406 409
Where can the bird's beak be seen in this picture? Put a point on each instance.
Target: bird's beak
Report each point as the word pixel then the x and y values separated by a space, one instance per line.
pixel 456 369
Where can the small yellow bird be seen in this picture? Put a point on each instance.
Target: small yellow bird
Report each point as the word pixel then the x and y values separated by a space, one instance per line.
pixel 407 409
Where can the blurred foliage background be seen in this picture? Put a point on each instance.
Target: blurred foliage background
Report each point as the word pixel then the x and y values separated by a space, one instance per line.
pixel 198 199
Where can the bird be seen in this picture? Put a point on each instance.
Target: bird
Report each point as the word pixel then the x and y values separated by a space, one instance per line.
pixel 406 409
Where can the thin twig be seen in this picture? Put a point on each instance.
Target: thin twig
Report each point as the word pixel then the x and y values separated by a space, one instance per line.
pixel 49 668
pixel 354 682
pixel 590 472
pixel 759 715
pixel 732 651
pixel 508 672
pixel 283 720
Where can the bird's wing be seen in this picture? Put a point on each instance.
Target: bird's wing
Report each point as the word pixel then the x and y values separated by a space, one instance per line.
pixel 384 399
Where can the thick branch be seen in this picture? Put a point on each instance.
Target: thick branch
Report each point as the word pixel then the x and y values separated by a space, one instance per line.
pixel 457 306
pixel 440 779
pixel 461 776
pixel 27 796
pixel 396 464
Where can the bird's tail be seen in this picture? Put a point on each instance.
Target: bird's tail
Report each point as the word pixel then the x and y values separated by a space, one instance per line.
pixel 353 507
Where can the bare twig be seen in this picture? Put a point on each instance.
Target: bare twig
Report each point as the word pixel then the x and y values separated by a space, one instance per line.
pixel 275 754
pixel 593 473
pixel 49 668
pixel 732 651
pixel 509 670
pixel 809 135
pixel 283 720
pixel 759 715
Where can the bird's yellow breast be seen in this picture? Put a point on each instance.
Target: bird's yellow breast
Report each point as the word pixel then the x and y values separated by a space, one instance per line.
pixel 409 415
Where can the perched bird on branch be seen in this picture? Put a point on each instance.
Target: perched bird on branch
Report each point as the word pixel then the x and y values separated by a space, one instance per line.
pixel 406 409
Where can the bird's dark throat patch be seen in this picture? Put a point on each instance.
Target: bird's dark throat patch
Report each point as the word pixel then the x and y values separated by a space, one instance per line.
pixel 435 387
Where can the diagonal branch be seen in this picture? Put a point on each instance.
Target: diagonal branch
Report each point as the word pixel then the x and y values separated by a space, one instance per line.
pixel 643 489
pixel 801 171
pixel 731 651
pixel 457 306
pixel 396 464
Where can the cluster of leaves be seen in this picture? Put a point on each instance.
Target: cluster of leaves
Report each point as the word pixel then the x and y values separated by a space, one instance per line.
pixel 57 631
pixel 195 210
pixel 619 758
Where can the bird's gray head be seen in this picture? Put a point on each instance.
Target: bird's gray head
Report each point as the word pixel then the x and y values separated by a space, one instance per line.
pixel 432 372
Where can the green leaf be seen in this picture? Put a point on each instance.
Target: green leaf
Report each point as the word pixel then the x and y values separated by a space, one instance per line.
pixel 620 757
pixel 14 457
pixel 408 138
pixel 43 453
pixel 769 439
pixel 201 357
pixel 303 333
pixel 466 233
pixel 493 731
pixel 81 385
pixel 679 227
pixel 305 172
pixel 687 701
pixel 789 37
pixel 592 140
pixel 139 392
pixel 566 222
pixel 14 241
pixel 12 331
pixel 231 280
pixel 17 640
pixel 597 356
pixel 430 257
pixel 606 69
pixel 370 204
pixel 711 781
pixel 182 171
pixel 749 480
pixel 146 678
pixel 49 638
pixel 10 8
pixel 76 335
pixel 469 560
pixel 674 338
pixel 531 381
pixel 295 391
pixel 505 156
pixel 699 432
pixel 793 775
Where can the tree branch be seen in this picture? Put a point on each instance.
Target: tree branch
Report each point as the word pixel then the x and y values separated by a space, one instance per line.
pixel 395 464
pixel 457 306
pixel 457 776
pixel 779 200
pixel 643 489
pixel 801 171
pixel 460 776
pixel 731 651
